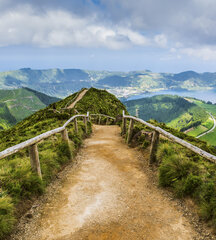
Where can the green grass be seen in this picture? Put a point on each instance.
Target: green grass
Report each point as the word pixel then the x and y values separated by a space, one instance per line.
pixel 197 131
pixel 204 127
pixel 93 101
pixel 188 175
pixel 208 107
pixel 210 137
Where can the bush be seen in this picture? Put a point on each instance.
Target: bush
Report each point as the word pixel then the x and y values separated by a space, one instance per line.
pixel 175 168
pixel 165 150
pixel 7 219
pixel 63 152
pixel 187 186
pixel 21 183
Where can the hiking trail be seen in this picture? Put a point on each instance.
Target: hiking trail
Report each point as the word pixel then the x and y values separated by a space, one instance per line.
pixel 107 195
pixel 80 96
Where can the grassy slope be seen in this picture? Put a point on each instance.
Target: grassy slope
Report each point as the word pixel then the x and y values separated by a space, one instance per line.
pixel 18 183
pixel 210 137
pixel 21 103
pixel 6 118
pixel 173 110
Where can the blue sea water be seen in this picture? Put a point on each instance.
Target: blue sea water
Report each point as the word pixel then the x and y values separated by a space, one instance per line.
pixel 206 95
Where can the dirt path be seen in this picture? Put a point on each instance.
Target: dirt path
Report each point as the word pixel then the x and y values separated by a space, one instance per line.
pixel 78 98
pixel 108 197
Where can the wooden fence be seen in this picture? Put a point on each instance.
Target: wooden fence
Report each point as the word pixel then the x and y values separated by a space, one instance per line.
pixel 33 150
pixel 102 115
pixel 32 143
pixel 155 138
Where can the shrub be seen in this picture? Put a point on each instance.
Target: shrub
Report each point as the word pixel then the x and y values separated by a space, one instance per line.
pixel 63 152
pixel 165 150
pixel 174 168
pixel 22 183
pixel 187 186
pixel 7 219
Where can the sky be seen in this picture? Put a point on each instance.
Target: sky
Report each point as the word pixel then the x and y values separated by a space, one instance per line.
pixel 117 35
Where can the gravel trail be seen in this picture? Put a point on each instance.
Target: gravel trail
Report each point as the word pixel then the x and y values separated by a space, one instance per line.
pixel 109 196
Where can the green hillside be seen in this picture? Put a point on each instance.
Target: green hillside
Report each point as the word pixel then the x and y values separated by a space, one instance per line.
pixel 18 104
pixel 210 108
pixel 18 183
pixel 6 118
pixel 175 111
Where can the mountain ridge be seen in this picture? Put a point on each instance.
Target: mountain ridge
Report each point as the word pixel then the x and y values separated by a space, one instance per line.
pixel 63 82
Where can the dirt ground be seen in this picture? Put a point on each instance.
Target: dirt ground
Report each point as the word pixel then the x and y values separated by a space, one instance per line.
pixel 108 196
pixel 81 95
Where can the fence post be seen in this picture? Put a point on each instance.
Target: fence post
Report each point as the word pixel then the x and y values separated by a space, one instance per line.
pixel 64 135
pixel 107 121
pixel 124 121
pixel 86 126
pixel 75 125
pixel 34 159
pixel 154 146
pixel 99 120
pixel 130 130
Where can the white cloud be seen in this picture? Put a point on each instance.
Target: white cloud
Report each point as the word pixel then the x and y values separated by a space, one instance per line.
pixel 205 53
pixel 161 40
pixel 61 28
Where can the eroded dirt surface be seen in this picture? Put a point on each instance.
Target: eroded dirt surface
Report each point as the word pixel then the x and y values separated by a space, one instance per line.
pixel 81 95
pixel 109 196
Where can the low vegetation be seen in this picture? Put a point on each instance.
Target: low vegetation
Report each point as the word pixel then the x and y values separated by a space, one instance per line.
pixel 188 175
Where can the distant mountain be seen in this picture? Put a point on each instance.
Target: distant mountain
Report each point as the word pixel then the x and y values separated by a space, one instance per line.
pixel 175 111
pixel 63 82
pixel 18 104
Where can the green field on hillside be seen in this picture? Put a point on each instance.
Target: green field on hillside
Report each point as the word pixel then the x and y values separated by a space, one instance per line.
pixel 210 137
pixel 18 104
pixel 172 110
pixel 185 114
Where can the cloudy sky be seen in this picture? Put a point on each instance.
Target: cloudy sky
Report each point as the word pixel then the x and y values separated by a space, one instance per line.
pixel 159 35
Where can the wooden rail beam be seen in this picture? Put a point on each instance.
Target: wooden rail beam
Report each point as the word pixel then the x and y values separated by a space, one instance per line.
pixel 34 159
pixel 154 147
pixel 206 155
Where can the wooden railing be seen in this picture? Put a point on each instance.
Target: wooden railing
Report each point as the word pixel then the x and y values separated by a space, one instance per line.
pixel 102 115
pixel 155 138
pixel 32 143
